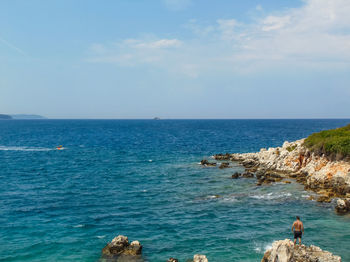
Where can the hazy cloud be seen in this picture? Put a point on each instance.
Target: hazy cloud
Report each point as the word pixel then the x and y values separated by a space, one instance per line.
pixel 316 35
pixel 12 46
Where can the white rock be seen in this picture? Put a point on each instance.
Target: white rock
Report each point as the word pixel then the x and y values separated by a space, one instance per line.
pixel 200 258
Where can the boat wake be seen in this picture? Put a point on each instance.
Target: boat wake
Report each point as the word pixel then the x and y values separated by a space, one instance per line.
pixel 24 148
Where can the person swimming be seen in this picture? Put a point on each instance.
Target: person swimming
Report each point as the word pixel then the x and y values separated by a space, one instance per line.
pixel 298 229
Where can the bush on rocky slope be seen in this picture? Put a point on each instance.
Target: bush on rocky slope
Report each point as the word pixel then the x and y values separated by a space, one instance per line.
pixel 334 143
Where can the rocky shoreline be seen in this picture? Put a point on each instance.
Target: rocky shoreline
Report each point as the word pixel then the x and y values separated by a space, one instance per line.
pixel 328 178
pixel 120 250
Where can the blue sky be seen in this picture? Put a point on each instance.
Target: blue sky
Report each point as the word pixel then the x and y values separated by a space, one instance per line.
pixel 175 58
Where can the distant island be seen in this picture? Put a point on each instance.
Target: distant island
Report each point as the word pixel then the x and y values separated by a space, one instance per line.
pixel 5 117
pixel 20 116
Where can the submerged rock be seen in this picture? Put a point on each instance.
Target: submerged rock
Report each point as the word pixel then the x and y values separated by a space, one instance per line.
pixel 236 175
pixel 119 249
pixel 224 165
pixel 324 199
pixel 247 174
pixel 205 162
pixel 286 251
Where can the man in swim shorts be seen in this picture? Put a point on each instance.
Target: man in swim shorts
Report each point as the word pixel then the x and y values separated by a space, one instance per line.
pixel 298 229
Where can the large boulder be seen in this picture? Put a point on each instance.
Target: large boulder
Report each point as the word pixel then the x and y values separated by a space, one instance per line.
pixel 119 249
pixel 286 251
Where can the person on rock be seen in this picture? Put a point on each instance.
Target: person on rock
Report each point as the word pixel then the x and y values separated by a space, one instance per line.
pixel 298 229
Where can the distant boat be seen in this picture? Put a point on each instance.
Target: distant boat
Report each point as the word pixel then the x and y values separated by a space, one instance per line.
pixel 59 147
pixel 156 118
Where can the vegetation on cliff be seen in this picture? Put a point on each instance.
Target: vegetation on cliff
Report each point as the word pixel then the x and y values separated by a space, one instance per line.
pixel 334 143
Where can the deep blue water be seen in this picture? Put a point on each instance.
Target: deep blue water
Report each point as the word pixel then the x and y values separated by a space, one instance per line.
pixel 141 178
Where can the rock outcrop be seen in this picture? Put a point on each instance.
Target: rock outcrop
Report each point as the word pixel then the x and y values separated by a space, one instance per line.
pixel 286 251
pixel 121 250
pixel 200 258
pixel 343 205
pixel 330 179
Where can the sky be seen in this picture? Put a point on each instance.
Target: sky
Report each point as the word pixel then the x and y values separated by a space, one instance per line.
pixel 175 58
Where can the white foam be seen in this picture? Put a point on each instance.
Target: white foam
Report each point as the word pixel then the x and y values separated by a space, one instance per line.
pixel 101 236
pixel 229 199
pixel 270 196
pixel 257 249
pixel 24 148
pixel 268 246
pixel 150 160
pixel 262 247
pixel 77 226
pixel 213 196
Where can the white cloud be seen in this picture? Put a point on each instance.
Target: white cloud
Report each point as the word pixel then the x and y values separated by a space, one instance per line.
pixel 227 27
pixel 162 43
pixel 274 22
pixel 316 35
pixel 198 30
pixel 259 8
pixel 133 52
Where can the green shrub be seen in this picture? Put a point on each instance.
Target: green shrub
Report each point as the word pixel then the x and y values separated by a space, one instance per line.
pixel 291 148
pixel 334 143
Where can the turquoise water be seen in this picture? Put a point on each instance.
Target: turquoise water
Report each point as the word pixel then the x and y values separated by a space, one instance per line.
pixel 141 178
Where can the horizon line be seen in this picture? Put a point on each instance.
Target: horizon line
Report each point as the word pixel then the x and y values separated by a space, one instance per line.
pixel 159 119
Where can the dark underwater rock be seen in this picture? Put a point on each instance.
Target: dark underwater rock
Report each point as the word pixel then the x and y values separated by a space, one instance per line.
pixel 205 162
pixel 224 165
pixel 236 175
pixel 247 174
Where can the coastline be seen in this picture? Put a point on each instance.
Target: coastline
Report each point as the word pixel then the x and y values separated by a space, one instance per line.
pixel 330 179
pixel 121 250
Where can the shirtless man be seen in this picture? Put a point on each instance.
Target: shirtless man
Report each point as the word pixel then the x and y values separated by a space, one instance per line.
pixel 298 229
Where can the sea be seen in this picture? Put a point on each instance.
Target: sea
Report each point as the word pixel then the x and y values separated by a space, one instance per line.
pixel 142 179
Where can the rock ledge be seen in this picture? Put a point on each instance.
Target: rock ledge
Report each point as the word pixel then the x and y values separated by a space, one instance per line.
pixel 285 251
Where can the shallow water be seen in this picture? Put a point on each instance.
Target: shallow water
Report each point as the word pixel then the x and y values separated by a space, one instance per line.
pixel 141 178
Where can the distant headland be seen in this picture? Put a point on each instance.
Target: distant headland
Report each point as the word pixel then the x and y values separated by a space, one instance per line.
pixel 20 116
pixel 5 117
